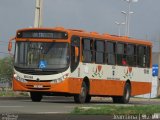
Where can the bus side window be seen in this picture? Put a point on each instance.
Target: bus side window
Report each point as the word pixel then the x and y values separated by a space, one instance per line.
pixel 148 56
pixel 141 57
pixel 99 46
pixel 75 47
pixel 121 54
pixel 131 55
pixel 87 54
pixel 110 57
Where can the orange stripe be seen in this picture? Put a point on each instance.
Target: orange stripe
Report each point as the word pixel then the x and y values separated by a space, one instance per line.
pixel 114 87
pixel 139 88
pixel 97 87
pixel 106 87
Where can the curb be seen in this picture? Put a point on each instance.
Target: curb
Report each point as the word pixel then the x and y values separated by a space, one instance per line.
pixel 14 98
pixel 28 98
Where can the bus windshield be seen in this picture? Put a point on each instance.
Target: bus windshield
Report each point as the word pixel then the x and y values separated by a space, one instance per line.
pixel 41 55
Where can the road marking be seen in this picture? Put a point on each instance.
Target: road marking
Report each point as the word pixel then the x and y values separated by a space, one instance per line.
pixel 52 112
pixel 10 106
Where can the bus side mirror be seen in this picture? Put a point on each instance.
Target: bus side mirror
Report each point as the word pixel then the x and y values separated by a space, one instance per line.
pixel 10 44
pixel 76 51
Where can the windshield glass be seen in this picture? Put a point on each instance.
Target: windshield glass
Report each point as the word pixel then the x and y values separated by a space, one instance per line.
pixel 41 55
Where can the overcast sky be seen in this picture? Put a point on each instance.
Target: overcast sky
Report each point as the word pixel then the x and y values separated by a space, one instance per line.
pixel 90 15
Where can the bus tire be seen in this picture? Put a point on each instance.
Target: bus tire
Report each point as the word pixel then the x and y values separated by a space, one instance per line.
pixel 116 99
pixel 126 95
pixel 81 98
pixel 88 99
pixel 35 96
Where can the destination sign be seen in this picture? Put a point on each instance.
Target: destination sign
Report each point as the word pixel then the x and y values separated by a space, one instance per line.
pixel 42 34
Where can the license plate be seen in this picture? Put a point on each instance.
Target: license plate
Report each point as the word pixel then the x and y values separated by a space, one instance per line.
pixel 38 86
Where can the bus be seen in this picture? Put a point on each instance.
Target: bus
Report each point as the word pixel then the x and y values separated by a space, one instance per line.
pixel 68 62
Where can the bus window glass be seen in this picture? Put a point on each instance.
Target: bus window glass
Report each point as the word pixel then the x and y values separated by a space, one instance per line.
pixel 130 49
pixel 141 56
pixel 131 55
pixel 99 51
pixel 32 54
pixel 148 51
pixel 99 46
pixel 86 44
pixel 110 53
pixel 87 50
pixel 121 56
pixel 109 47
pixel 120 48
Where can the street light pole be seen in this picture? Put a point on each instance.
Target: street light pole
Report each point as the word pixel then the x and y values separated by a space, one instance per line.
pixel 38 14
pixel 126 26
pixel 128 21
pixel 119 27
pixel 128 16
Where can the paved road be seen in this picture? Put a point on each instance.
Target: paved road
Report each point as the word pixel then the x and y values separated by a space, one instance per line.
pixel 46 106
pixel 49 109
pixel 24 108
pixel 59 104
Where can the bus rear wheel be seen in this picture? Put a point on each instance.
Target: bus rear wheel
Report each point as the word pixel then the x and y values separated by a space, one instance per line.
pixel 126 95
pixel 88 98
pixel 36 96
pixel 81 98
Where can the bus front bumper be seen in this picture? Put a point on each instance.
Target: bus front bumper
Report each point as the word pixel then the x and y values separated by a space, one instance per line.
pixel 67 86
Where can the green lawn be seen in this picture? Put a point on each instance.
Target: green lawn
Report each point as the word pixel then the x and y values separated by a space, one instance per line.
pixel 112 110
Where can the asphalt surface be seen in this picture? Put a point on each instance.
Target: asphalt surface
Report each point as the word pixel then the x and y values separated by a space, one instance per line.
pixel 57 108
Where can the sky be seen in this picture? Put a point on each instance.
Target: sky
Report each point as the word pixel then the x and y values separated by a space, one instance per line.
pixel 89 15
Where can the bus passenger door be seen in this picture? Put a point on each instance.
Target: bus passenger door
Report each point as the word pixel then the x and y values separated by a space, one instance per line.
pixel 75 52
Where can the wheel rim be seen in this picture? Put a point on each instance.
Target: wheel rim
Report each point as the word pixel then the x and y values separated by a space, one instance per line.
pixel 83 94
pixel 127 93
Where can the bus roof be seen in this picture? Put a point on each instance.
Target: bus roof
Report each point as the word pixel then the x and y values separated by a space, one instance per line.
pixel 95 35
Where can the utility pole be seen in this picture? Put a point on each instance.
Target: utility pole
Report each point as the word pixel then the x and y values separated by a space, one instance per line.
pixel 158 83
pixel 38 14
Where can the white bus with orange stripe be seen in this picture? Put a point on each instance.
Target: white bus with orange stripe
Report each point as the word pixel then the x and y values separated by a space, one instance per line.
pixel 58 61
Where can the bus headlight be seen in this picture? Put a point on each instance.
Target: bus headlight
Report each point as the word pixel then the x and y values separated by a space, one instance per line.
pixel 19 78
pixel 54 81
pixel 58 80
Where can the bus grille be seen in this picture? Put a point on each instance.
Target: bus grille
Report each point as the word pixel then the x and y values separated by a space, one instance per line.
pixel 39 81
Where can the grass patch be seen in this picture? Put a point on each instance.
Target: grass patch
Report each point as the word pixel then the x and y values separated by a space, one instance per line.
pixel 158 97
pixel 11 93
pixel 118 110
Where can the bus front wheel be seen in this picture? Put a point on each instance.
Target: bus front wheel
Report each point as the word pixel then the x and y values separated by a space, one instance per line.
pixel 35 96
pixel 81 98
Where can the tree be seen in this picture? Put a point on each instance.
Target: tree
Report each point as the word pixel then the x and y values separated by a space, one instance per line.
pixel 6 69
